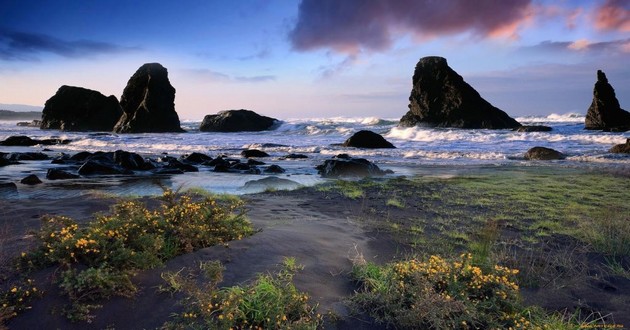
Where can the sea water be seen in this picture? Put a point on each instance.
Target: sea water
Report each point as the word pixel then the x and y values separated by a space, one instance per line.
pixel 419 150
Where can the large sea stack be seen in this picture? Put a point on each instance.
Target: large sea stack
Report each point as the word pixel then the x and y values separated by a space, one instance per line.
pixel 605 113
pixel 441 98
pixel 148 102
pixel 80 109
pixel 237 121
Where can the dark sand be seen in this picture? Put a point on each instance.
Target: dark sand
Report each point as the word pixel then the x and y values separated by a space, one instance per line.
pixel 324 231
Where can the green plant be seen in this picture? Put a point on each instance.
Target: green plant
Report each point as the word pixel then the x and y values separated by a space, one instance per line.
pixel 269 302
pixel 16 298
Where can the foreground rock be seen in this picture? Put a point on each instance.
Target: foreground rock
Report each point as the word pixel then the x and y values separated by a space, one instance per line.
pixel 31 180
pixel 605 113
pixel 59 174
pixel 441 98
pixel 342 165
pixel 80 109
pixel 621 148
pixel 237 121
pixel 148 102
pixel 534 128
pixel 25 141
pixel 367 139
pixel 542 153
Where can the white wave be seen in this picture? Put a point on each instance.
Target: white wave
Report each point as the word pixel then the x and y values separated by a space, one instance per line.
pixel 571 117
pixel 421 134
pixel 452 155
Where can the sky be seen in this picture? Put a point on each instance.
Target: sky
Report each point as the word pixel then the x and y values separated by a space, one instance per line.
pixel 318 58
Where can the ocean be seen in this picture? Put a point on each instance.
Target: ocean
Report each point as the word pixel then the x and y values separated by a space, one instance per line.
pixel 420 151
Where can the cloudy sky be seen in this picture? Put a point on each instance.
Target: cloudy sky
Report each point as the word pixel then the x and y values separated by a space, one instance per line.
pixel 318 58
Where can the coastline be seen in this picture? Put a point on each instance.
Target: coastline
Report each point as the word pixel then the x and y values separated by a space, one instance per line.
pixel 383 219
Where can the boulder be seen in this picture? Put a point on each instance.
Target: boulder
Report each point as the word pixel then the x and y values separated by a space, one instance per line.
pixel 254 153
pixel 59 174
pixel 168 162
pixel 196 158
pixel 253 162
pixel 8 189
pixel 5 162
pixel 130 160
pixel 31 180
pixel 148 102
pixel 17 156
pixel 276 169
pixel 367 139
pixel 621 148
pixel 534 128
pixel 441 98
pixel 353 167
pixel 80 109
pixel 605 113
pixel 32 123
pixel 97 167
pixel 295 156
pixel 237 121
pixel 542 153
pixel 25 141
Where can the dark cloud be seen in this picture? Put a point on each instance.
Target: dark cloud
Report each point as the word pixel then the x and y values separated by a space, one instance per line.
pixel 613 15
pixel 350 26
pixel 215 76
pixel 21 46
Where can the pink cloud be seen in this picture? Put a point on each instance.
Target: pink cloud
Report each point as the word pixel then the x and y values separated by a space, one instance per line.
pixel 613 15
pixel 350 26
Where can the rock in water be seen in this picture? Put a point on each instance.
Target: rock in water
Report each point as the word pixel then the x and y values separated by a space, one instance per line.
pixel 237 121
pixel 441 98
pixel 148 102
pixel 605 113
pixel 367 139
pixel 621 148
pixel 80 109
pixel 542 153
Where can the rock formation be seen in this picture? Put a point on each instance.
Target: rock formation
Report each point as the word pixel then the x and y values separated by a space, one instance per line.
pixel 345 166
pixel 542 153
pixel 441 98
pixel 621 148
pixel 605 113
pixel 534 128
pixel 148 102
pixel 80 109
pixel 237 121
pixel 367 139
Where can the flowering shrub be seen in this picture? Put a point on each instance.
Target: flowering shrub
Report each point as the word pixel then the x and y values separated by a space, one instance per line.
pixel 16 299
pixel 98 260
pixel 438 294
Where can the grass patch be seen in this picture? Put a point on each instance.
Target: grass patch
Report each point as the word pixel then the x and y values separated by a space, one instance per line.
pixel 99 260
pixel 441 294
pixel 271 301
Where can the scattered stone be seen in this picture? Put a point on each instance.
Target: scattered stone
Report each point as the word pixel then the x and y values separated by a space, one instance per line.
pixel 621 148
pixel 276 169
pixel 295 156
pixel 173 163
pixel 25 141
pixel 253 162
pixel 96 167
pixel 542 153
pixel 333 168
pixel 80 109
pixel 367 139
pixel 8 189
pixel 17 156
pixel 254 153
pixel 31 180
pixel 148 102
pixel 196 158
pixel 605 112
pixel 534 128
pixel 6 162
pixel 441 98
pixel 131 161
pixel 237 121
pixel 59 174
pixel 32 123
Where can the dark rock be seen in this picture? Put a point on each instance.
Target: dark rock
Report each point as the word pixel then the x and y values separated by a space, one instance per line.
pixel 59 174
pixel 254 162
pixel 441 98
pixel 333 168
pixel 6 162
pixel 196 158
pixel 130 160
pixel 25 141
pixel 534 128
pixel 605 111
pixel 542 153
pixel 81 156
pixel 237 121
pixel 148 102
pixel 343 156
pixel 96 167
pixel 33 123
pixel 240 167
pixel 222 167
pixel 17 156
pixel 367 139
pixel 621 148
pixel 173 163
pixel 31 180
pixel 271 182
pixel 217 161
pixel 274 169
pixel 295 156
pixel 168 171
pixel 80 109
pixel 254 153
pixel 8 189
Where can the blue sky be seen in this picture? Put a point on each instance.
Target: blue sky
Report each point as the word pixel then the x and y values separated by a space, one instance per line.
pixel 318 58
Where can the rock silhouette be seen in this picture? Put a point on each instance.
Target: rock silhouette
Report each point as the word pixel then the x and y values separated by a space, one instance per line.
pixel 605 113
pixel 80 109
pixel 148 102
pixel 237 121
pixel 441 98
